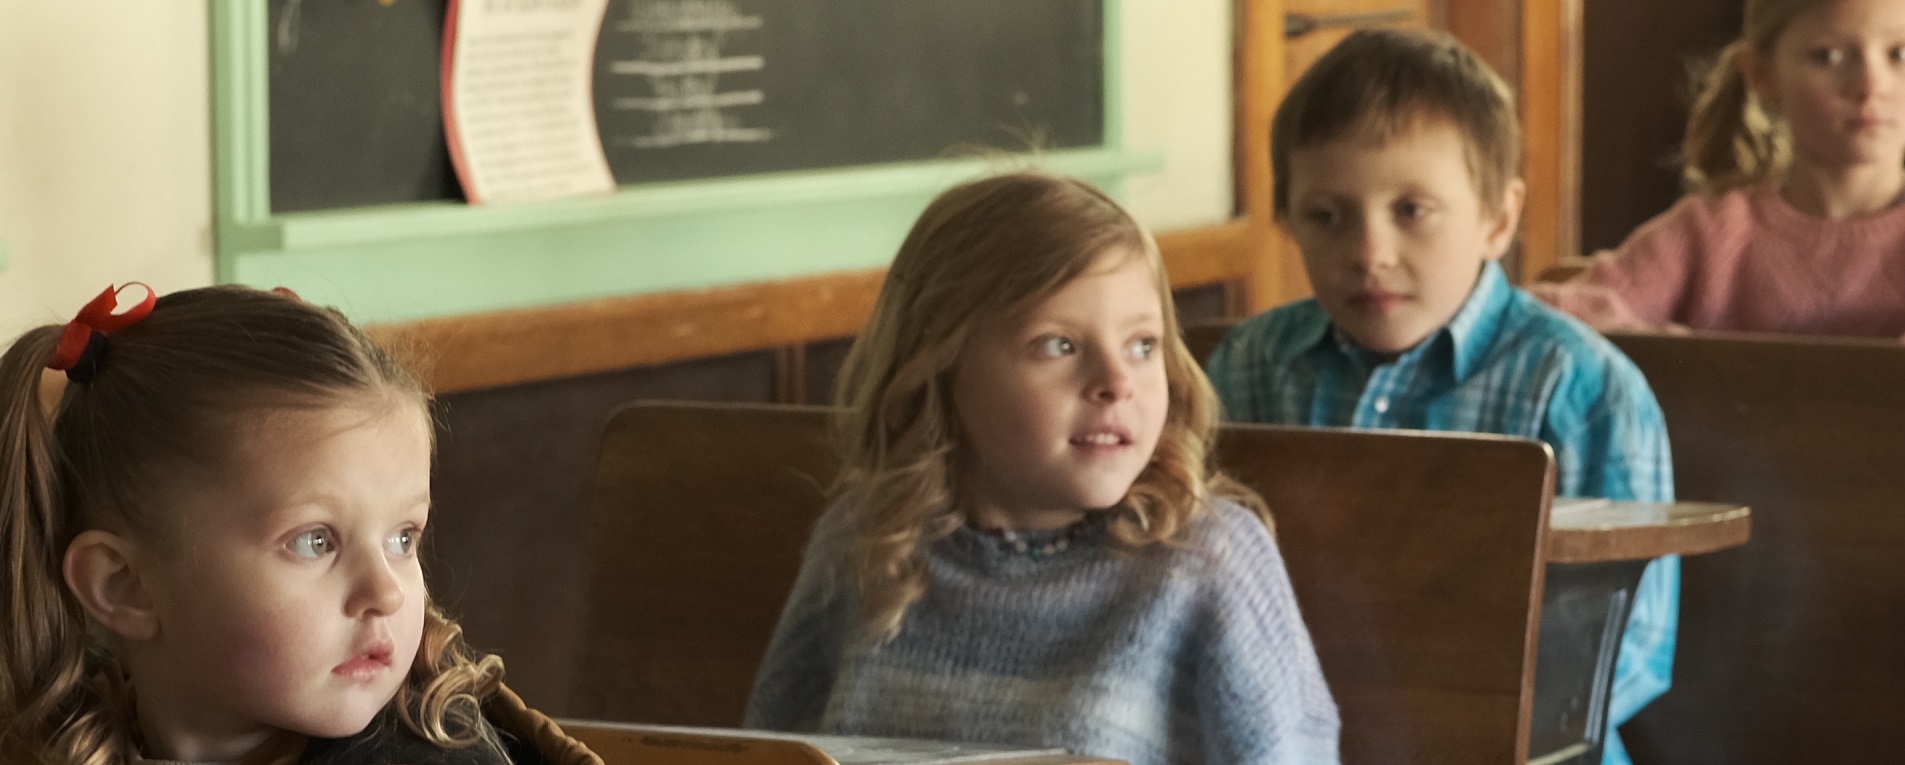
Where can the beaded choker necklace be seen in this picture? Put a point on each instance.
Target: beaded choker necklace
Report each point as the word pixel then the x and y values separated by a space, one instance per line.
pixel 1045 542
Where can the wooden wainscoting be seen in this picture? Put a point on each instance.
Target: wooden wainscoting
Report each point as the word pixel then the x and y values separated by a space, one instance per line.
pixel 1634 102
pixel 503 348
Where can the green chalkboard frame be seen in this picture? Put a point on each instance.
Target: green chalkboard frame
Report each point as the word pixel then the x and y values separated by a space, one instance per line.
pixel 408 262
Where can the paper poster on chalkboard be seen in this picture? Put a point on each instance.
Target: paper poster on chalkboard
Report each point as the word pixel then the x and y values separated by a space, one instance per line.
pixel 687 89
pixel 518 99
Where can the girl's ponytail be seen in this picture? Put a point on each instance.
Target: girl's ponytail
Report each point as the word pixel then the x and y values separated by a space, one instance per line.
pixel 1731 142
pixel 53 694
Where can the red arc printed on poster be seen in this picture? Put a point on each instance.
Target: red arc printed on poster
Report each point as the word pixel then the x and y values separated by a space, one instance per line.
pixel 518 99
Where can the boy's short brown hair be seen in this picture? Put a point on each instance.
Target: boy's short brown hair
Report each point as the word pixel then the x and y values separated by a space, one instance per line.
pixel 1380 83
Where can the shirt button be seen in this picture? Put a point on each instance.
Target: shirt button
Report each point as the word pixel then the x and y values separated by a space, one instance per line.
pixel 1382 405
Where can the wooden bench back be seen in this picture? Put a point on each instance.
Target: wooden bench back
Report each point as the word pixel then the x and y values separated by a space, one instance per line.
pixel 699 516
pixel 1416 559
pixel 1792 648
pixel 1418 562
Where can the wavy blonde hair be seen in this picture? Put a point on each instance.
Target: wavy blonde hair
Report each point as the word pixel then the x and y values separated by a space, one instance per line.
pixel 172 391
pixel 1732 140
pixel 985 249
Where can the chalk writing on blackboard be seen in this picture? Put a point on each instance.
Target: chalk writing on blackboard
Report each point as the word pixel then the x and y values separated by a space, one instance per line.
pixel 684 48
pixel 357 104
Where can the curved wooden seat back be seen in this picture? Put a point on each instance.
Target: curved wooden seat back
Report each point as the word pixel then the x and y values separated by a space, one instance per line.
pixel 1416 559
pixel 699 516
pixel 1790 647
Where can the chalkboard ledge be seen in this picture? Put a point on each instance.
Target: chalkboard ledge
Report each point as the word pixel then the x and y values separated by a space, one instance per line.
pixel 428 220
pixel 417 261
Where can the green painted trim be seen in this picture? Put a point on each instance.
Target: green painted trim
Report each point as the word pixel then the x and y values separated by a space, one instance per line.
pixel 241 124
pixel 421 261
pixel 3 255
pixel 415 261
pixel 377 225
pixel 1114 72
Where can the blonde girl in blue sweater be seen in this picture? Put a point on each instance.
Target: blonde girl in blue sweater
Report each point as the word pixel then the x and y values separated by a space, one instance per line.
pixel 1029 547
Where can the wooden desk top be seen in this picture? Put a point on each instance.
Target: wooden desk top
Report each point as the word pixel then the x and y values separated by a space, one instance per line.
pixel 1599 530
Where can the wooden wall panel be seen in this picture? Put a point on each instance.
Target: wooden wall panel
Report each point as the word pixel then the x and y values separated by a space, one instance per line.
pixel 1304 49
pixel 1492 27
pixel 823 370
pixel 510 489
pixel 512 347
pixel 505 348
pixel 1635 94
pixel 1262 254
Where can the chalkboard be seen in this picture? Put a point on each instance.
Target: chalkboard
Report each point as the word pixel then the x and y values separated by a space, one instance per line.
pixel 695 89
pixel 356 111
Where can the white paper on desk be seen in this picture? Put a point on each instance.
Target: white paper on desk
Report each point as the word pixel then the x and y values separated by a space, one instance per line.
pixel 899 751
pixel 519 99
pixel 859 750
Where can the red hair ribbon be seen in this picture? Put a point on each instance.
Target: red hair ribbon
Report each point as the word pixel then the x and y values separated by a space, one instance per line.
pixel 95 318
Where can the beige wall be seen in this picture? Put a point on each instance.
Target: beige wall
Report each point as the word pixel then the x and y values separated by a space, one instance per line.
pixel 105 167
pixel 104 152
pixel 1177 100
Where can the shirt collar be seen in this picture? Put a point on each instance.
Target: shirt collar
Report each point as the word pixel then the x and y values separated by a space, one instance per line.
pixel 1475 326
pixel 1470 332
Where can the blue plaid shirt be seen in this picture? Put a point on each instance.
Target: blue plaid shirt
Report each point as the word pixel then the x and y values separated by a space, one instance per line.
pixel 1505 364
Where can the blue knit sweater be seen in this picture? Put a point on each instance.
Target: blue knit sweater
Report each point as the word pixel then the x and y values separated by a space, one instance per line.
pixel 1191 652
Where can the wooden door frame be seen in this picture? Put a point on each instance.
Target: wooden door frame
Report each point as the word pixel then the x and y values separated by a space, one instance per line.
pixel 1536 41
pixel 1551 47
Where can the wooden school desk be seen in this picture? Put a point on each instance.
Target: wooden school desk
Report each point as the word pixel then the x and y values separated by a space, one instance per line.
pixel 1596 554
pixel 1597 550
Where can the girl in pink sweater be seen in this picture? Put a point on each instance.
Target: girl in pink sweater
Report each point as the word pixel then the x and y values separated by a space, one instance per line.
pixel 1796 148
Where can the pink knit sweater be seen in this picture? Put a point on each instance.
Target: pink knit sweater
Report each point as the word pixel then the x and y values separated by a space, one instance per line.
pixel 1747 261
